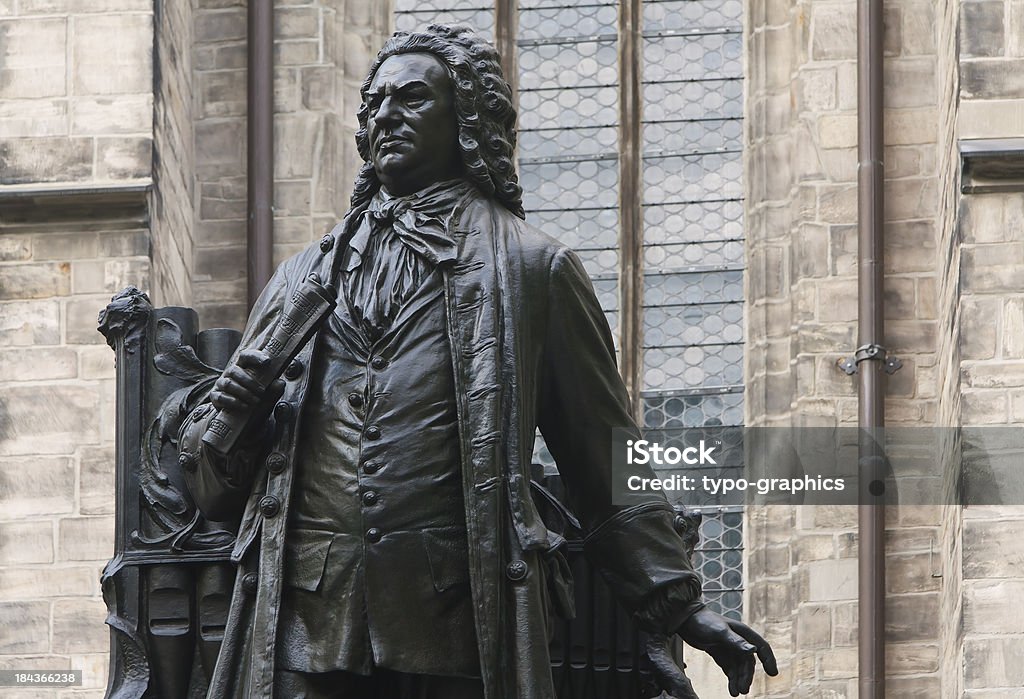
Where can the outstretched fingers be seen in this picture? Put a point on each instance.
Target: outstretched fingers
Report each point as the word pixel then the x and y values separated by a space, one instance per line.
pixel 761 647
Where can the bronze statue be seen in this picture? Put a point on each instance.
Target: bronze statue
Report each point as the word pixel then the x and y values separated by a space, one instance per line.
pixel 390 544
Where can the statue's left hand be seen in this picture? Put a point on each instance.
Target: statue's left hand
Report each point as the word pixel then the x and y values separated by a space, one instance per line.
pixel 732 644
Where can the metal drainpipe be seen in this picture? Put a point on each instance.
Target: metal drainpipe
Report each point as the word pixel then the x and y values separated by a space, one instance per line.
pixel 871 357
pixel 260 144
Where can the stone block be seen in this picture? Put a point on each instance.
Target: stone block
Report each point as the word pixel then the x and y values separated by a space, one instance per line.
pixel 844 624
pixel 911 126
pixel 912 573
pixel 993 662
pixel 220 148
pixel 29 323
pixel 118 274
pixel 47 419
pixel 219 25
pixel 86 538
pixel 838 663
pixel 26 160
pixel 991 118
pixel 981 28
pixel 223 93
pixel 24 627
pixel 992 549
pixel 87 277
pixel 320 88
pixel 292 230
pixel 33 58
pixel 124 158
pixel 95 362
pixel 977 331
pixel 112 53
pixel 80 316
pixel 983 407
pixel 1013 328
pixel 911 659
pixel 38 364
pixel 130 243
pixel 985 606
pixel 837 301
pixel 220 263
pixel 79 7
pixel 297 23
pixel 983 78
pixel 837 131
pixel 910 82
pixel 813 626
pixel 15 248
pixel 909 246
pixel 911 336
pixel 35 281
pixel 919 29
pixel 296 53
pixel 997 374
pixel 96 476
pixel 832 580
pixel 900 298
pixel 120 114
pixel 78 626
pixel 295 137
pixel 912 617
pixel 44 582
pixel 65 246
pixel 26 542
pixel 33 117
pixel 833 31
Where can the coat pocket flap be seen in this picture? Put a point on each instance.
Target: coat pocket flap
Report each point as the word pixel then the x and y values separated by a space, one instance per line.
pixel 305 555
pixel 448 555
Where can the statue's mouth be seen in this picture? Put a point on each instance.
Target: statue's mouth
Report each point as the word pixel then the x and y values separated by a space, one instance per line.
pixel 390 143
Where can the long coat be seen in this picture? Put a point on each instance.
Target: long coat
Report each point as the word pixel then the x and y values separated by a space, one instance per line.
pixel 530 347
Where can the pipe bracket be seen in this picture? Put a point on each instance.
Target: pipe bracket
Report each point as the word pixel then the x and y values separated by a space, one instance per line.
pixel 869 352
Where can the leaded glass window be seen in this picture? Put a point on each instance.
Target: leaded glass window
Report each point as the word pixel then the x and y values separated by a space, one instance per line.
pixel 691 85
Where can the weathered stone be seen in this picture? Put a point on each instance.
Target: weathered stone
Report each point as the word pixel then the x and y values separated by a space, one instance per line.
pixel 26 542
pixel 834 31
pixel 15 248
pixel 992 79
pixel 124 243
pixel 912 617
pixel 33 117
pixel 978 332
pixel 981 32
pixel 219 25
pixel 297 22
pixel 103 68
pixel 65 246
pixel 96 476
pixel 25 160
pixel 29 323
pixel 813 626
pixel 832 580
pixel 49 581
pixel 79 7
pixel 47 419
pixel 38 364
pixel 993 662
pixel 124 158
pixel 912 573
pixel 296 53
pixel 86 538
pixel 838 663
pixel 78 626
pixel 223 93
pixel 120 114
pixel 33 59
pixel 35 281
pixel 220 263
pixel 220 147
pixel 24 627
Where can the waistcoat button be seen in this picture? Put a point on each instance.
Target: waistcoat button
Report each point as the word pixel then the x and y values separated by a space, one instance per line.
pixel 373 535
pixel 355 399
pixel 283 411
pixel 249 583
pixel 369 497
pixel 269 506
pixel 517 570
pixel 371 467
pixel 326 243
pixel 294 370
pixel 276 462
pixel 379 363
pixel 373 432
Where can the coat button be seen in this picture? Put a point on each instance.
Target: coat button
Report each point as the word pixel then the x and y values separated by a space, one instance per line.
pixel 373 535
pixel 294 370
pixel 379 363
pixel 326 243
pixel 249 583
pixel 269 506
pixel 373 432
pixel 187 462
pixel 517 570
pixel 283 412
pixel 276 462
pixel 371 467
pixel 370 498
pixel 355 399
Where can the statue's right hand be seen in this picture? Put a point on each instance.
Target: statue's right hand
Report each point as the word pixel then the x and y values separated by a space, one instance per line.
pixel 238 389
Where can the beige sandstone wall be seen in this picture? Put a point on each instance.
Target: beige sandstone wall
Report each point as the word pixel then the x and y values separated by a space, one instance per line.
pixel 801 212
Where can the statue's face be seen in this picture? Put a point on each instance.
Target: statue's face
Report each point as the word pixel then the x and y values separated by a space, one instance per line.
pixel 411 123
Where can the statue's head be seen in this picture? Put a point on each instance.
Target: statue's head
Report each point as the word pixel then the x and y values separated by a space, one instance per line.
pixel 436 106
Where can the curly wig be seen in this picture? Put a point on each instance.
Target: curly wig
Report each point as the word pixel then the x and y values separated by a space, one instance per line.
pixel 483 109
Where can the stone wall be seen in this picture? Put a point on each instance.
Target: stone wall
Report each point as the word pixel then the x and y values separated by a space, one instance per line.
pixel 76 125
pixel 802 289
